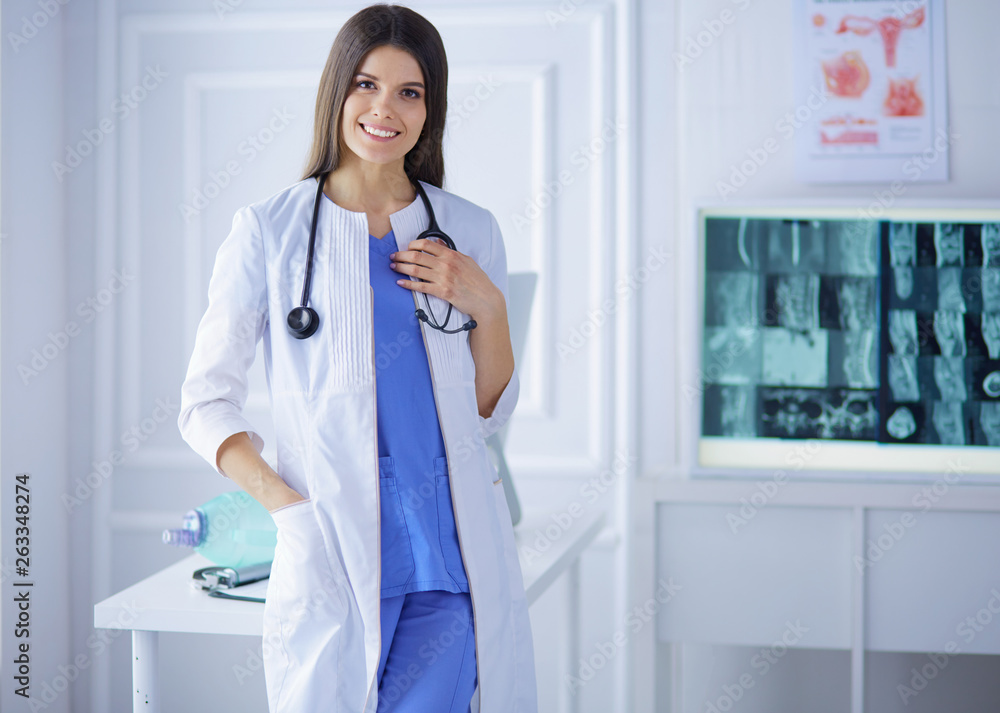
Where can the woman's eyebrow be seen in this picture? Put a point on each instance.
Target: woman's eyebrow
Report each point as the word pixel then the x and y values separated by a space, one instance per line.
pixel 404 84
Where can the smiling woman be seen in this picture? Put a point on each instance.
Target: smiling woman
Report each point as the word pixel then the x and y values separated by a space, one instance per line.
pixel 403 70
pixel 366 577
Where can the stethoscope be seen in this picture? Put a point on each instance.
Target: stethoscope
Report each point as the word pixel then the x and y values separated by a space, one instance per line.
pixel 303 321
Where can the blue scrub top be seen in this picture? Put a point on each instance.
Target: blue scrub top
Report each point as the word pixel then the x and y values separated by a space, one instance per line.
pixel 420 549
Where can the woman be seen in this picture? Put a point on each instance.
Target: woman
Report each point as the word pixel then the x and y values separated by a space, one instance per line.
pixel 395 584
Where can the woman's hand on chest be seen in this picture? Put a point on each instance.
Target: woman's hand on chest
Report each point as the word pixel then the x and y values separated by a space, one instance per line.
pixel 449 275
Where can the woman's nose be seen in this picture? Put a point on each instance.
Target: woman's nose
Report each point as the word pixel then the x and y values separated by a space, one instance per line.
pixel 381 107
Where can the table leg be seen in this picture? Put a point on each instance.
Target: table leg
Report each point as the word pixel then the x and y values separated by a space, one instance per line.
pixel 145 671
pixel 570 700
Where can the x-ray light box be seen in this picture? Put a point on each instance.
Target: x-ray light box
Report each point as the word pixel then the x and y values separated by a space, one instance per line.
pixel 833 340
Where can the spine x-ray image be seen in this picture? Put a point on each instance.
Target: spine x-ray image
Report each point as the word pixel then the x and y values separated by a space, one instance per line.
pixel 852 330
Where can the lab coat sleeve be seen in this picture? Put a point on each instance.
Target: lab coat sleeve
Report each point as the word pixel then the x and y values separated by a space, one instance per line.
pixel 216 386
pixel 496 269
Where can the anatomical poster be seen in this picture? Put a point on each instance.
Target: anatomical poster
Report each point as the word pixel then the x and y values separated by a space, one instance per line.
pixel 870 92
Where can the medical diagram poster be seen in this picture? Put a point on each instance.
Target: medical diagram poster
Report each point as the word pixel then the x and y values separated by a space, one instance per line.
pixel 870 91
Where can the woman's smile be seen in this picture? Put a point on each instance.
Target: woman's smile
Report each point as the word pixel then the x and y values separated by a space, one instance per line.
pixel 379 133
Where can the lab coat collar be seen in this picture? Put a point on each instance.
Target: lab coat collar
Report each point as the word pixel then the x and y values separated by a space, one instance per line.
pixel 409 221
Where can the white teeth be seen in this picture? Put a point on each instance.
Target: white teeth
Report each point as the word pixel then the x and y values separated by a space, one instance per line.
pixel 376 132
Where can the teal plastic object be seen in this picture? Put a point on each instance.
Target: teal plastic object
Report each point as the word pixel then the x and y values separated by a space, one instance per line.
pixel 232 530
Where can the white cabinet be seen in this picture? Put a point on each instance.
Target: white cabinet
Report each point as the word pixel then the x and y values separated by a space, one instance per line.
pixel 839 598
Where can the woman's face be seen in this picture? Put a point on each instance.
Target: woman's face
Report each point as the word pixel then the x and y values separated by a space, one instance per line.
pixel 386 95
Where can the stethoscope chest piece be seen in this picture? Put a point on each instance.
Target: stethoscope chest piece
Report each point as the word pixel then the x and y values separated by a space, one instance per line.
pixel 303 322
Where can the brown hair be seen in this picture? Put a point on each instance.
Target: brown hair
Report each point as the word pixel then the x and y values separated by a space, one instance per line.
pixel 367 29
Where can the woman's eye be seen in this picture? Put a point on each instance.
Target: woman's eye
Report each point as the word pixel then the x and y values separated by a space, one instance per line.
pixel 412 93
pixel 363 82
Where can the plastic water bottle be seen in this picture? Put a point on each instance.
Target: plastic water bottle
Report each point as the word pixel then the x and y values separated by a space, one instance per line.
pixel 232 530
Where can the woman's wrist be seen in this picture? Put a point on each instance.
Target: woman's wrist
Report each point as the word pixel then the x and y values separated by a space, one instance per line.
pixel 279 494
pixel 495 310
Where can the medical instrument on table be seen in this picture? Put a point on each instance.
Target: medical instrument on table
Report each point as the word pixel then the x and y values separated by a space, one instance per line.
pixel 216 579
pixel 232 530
pixel 303 321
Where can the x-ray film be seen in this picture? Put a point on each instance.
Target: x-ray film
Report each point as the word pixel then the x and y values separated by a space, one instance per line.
pixel 856 330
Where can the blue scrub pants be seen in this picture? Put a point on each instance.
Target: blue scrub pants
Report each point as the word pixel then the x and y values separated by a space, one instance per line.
pixel 428 662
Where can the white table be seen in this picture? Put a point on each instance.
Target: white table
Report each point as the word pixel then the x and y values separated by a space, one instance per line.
pixel 166 601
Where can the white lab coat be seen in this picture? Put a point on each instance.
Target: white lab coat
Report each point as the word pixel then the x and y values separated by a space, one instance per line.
pixel 322 634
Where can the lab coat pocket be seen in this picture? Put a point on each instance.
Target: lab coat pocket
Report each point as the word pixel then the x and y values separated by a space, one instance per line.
pixel 397 554
pixel 305 607
pixel 305 570
pixel 447 530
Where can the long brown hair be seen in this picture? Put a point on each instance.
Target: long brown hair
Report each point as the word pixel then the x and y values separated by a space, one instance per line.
pixel 367 29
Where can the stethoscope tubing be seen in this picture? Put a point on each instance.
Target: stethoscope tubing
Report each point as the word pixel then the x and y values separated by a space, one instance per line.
pixel 312 241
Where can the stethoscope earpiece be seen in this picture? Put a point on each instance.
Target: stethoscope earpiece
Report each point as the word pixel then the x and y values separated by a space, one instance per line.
pixel 303 321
